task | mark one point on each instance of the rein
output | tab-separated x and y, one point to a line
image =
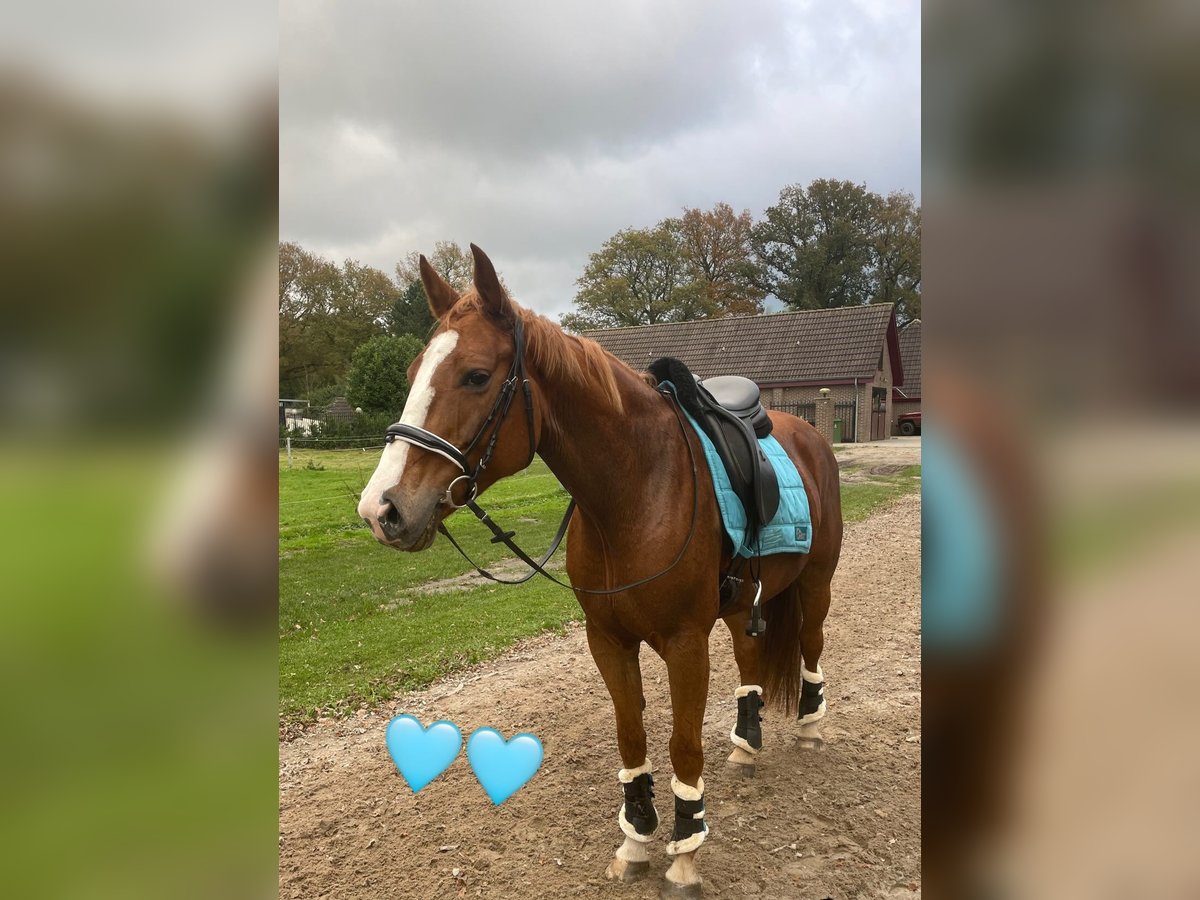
427	440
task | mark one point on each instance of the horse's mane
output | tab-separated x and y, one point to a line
557	355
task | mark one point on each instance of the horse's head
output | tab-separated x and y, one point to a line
455	386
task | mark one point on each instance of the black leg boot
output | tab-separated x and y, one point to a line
747	733
690	827
812	695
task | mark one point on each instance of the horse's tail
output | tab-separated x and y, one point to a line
780	661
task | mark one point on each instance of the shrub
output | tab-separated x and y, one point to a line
378	379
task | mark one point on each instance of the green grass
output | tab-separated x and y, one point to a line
355	625
139	736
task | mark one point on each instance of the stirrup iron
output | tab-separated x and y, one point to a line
757	624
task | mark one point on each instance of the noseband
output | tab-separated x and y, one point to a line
427	440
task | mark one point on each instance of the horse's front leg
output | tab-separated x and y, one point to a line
618	665
687	669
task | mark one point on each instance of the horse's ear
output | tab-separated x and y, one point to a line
487	283
441	296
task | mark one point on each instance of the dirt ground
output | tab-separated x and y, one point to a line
892	454
840	819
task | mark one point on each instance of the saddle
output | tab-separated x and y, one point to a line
729	411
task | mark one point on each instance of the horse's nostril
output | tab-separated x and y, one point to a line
389	519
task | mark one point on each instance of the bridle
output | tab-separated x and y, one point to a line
427	440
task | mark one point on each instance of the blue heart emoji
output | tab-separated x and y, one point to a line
503	767
422	754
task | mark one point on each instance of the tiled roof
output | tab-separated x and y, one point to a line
808	346
339	409
910	355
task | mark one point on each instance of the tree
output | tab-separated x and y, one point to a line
638	277
378	379
896	246
307	285
716	246
410	314
364	301
325	312
448	259
815	245
694	267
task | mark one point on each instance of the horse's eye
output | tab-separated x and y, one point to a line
478	378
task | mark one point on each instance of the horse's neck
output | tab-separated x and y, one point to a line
610	461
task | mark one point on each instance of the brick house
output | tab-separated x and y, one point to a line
853	350
907	398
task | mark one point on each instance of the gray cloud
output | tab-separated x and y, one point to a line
538	129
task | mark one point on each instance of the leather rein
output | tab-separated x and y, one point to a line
427	440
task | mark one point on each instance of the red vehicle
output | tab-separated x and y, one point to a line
909	423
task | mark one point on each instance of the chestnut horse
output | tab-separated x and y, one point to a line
637	475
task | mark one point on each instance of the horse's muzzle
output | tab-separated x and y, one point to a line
402	530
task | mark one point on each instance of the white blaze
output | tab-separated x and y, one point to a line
416	408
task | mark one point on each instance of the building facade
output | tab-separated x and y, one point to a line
907	398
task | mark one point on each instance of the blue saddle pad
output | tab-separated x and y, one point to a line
962	570
791	529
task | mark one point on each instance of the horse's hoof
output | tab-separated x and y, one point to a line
672	891
626	872
810	738
741	762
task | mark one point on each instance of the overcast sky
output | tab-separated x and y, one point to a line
539	128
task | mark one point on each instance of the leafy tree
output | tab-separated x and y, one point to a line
638	277
364	305
448	259
716	245
307	285
815	245
378	379
694	267
325	312
896	246
410	314
832	243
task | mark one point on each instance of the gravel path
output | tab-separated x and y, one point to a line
841	820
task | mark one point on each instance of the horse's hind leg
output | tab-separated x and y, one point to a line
618	665
747	730
814	604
